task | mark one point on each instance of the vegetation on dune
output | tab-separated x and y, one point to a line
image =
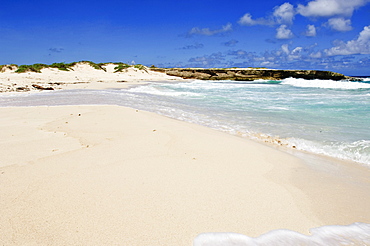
140	67
60	65
31	68
8	66
120	67
98	66
63	66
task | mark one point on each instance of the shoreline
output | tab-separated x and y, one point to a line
81	174
104	174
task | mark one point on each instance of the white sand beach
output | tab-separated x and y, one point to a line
110	175
83	76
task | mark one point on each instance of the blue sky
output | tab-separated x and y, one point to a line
306	34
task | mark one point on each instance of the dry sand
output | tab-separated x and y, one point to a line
83	76
109	175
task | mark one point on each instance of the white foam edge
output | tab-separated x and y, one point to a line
325	84
333	235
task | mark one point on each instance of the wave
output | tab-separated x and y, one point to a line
354	234
325	84
357	151
163	92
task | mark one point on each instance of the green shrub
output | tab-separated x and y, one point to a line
140	67
63	66
68	66
121	66
31	68
8	66
98	66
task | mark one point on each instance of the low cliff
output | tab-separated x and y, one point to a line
247	74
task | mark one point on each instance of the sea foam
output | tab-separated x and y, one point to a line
325	84
334	235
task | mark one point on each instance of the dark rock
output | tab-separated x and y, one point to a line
39	87
22	89
248	74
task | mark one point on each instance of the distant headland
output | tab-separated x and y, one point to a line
248	74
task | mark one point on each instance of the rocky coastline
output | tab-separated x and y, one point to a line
247	74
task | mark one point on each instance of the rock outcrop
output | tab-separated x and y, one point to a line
246	74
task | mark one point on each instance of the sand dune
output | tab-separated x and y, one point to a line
81	77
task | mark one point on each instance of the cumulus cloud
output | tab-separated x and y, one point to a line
284	58
314	55
247	20
284	13
231	43
311	31
282	32
361	45
209	32
327	8
296	53
338	13
285	49
339	24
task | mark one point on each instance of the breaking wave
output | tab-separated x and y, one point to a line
325	84
334	235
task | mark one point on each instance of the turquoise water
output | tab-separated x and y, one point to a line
320	116
324	117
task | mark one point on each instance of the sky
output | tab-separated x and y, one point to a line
329	35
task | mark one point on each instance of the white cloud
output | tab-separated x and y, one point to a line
247	20
284	13
282	32
209	32
311	31
296	53
327	8
316	54
285	49
361	45
340	24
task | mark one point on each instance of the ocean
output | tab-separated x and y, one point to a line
325	117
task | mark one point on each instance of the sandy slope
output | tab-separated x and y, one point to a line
82	76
